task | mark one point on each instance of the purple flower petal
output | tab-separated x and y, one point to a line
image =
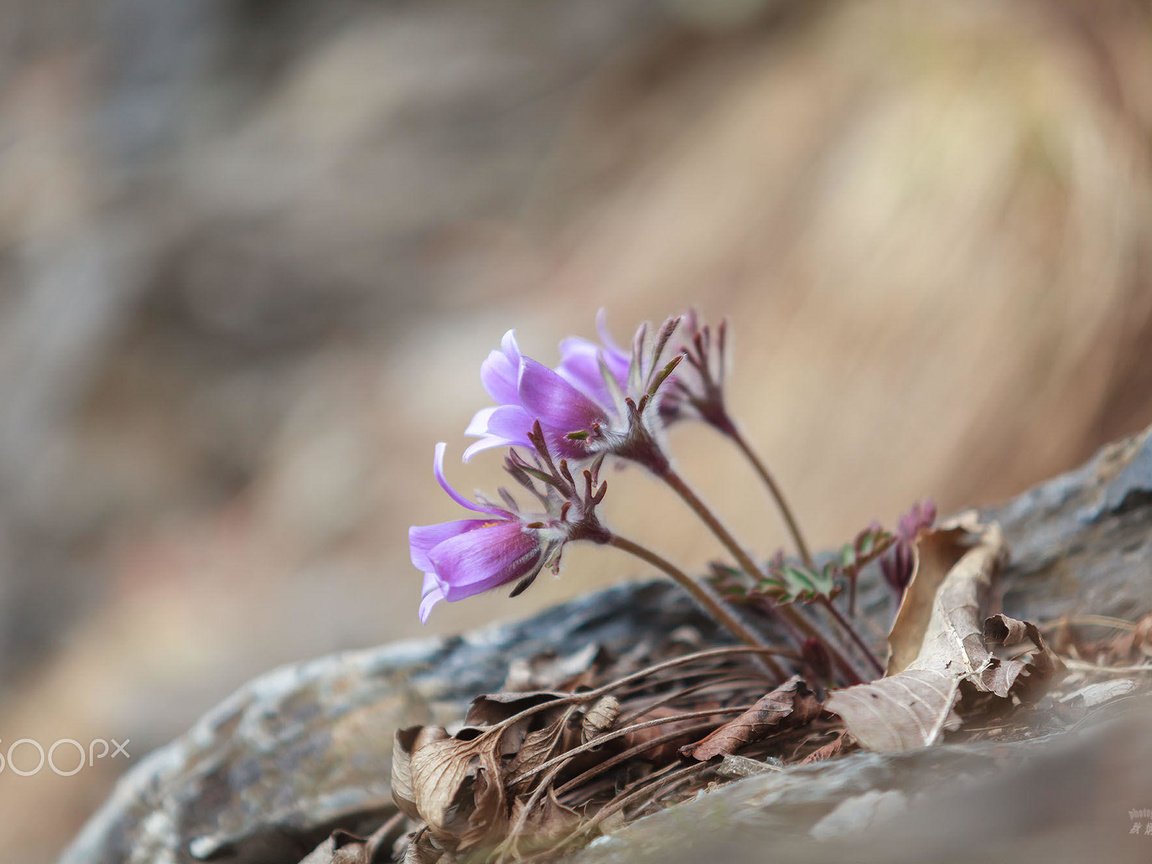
499	426
510	422
478	560
480	420
422	539
555	402
438	470
431	594
499	372
580	367
488	442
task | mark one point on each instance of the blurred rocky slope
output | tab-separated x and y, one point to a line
251	254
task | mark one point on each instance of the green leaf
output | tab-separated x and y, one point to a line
794	582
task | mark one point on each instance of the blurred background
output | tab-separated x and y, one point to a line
253	252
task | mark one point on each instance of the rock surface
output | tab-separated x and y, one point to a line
305	749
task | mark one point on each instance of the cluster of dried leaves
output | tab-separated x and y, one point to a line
579	744
534	773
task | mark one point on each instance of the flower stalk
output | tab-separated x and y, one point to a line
703	595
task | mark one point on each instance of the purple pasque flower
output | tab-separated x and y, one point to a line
469	556
598	401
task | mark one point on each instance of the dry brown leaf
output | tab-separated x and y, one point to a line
668	733
791	704
457	789
454	784
422	849
492	708
1021	663
900	713
939	640
542	744
407	742
827	751
936	642
599	718
458	785
489	816
548	822
941	614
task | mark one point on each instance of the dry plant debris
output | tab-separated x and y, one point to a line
533	774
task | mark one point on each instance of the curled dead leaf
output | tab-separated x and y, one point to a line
548	821
939	640
456	788
492	708
599	718
1020	662
939	621
462	787
542	744
789	705
407	742
422	849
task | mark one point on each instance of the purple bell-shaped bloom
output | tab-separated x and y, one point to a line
599	401
469	556
527	391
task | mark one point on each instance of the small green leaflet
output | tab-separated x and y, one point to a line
795	582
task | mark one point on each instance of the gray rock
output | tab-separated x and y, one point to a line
307	748
267	775
1057	798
